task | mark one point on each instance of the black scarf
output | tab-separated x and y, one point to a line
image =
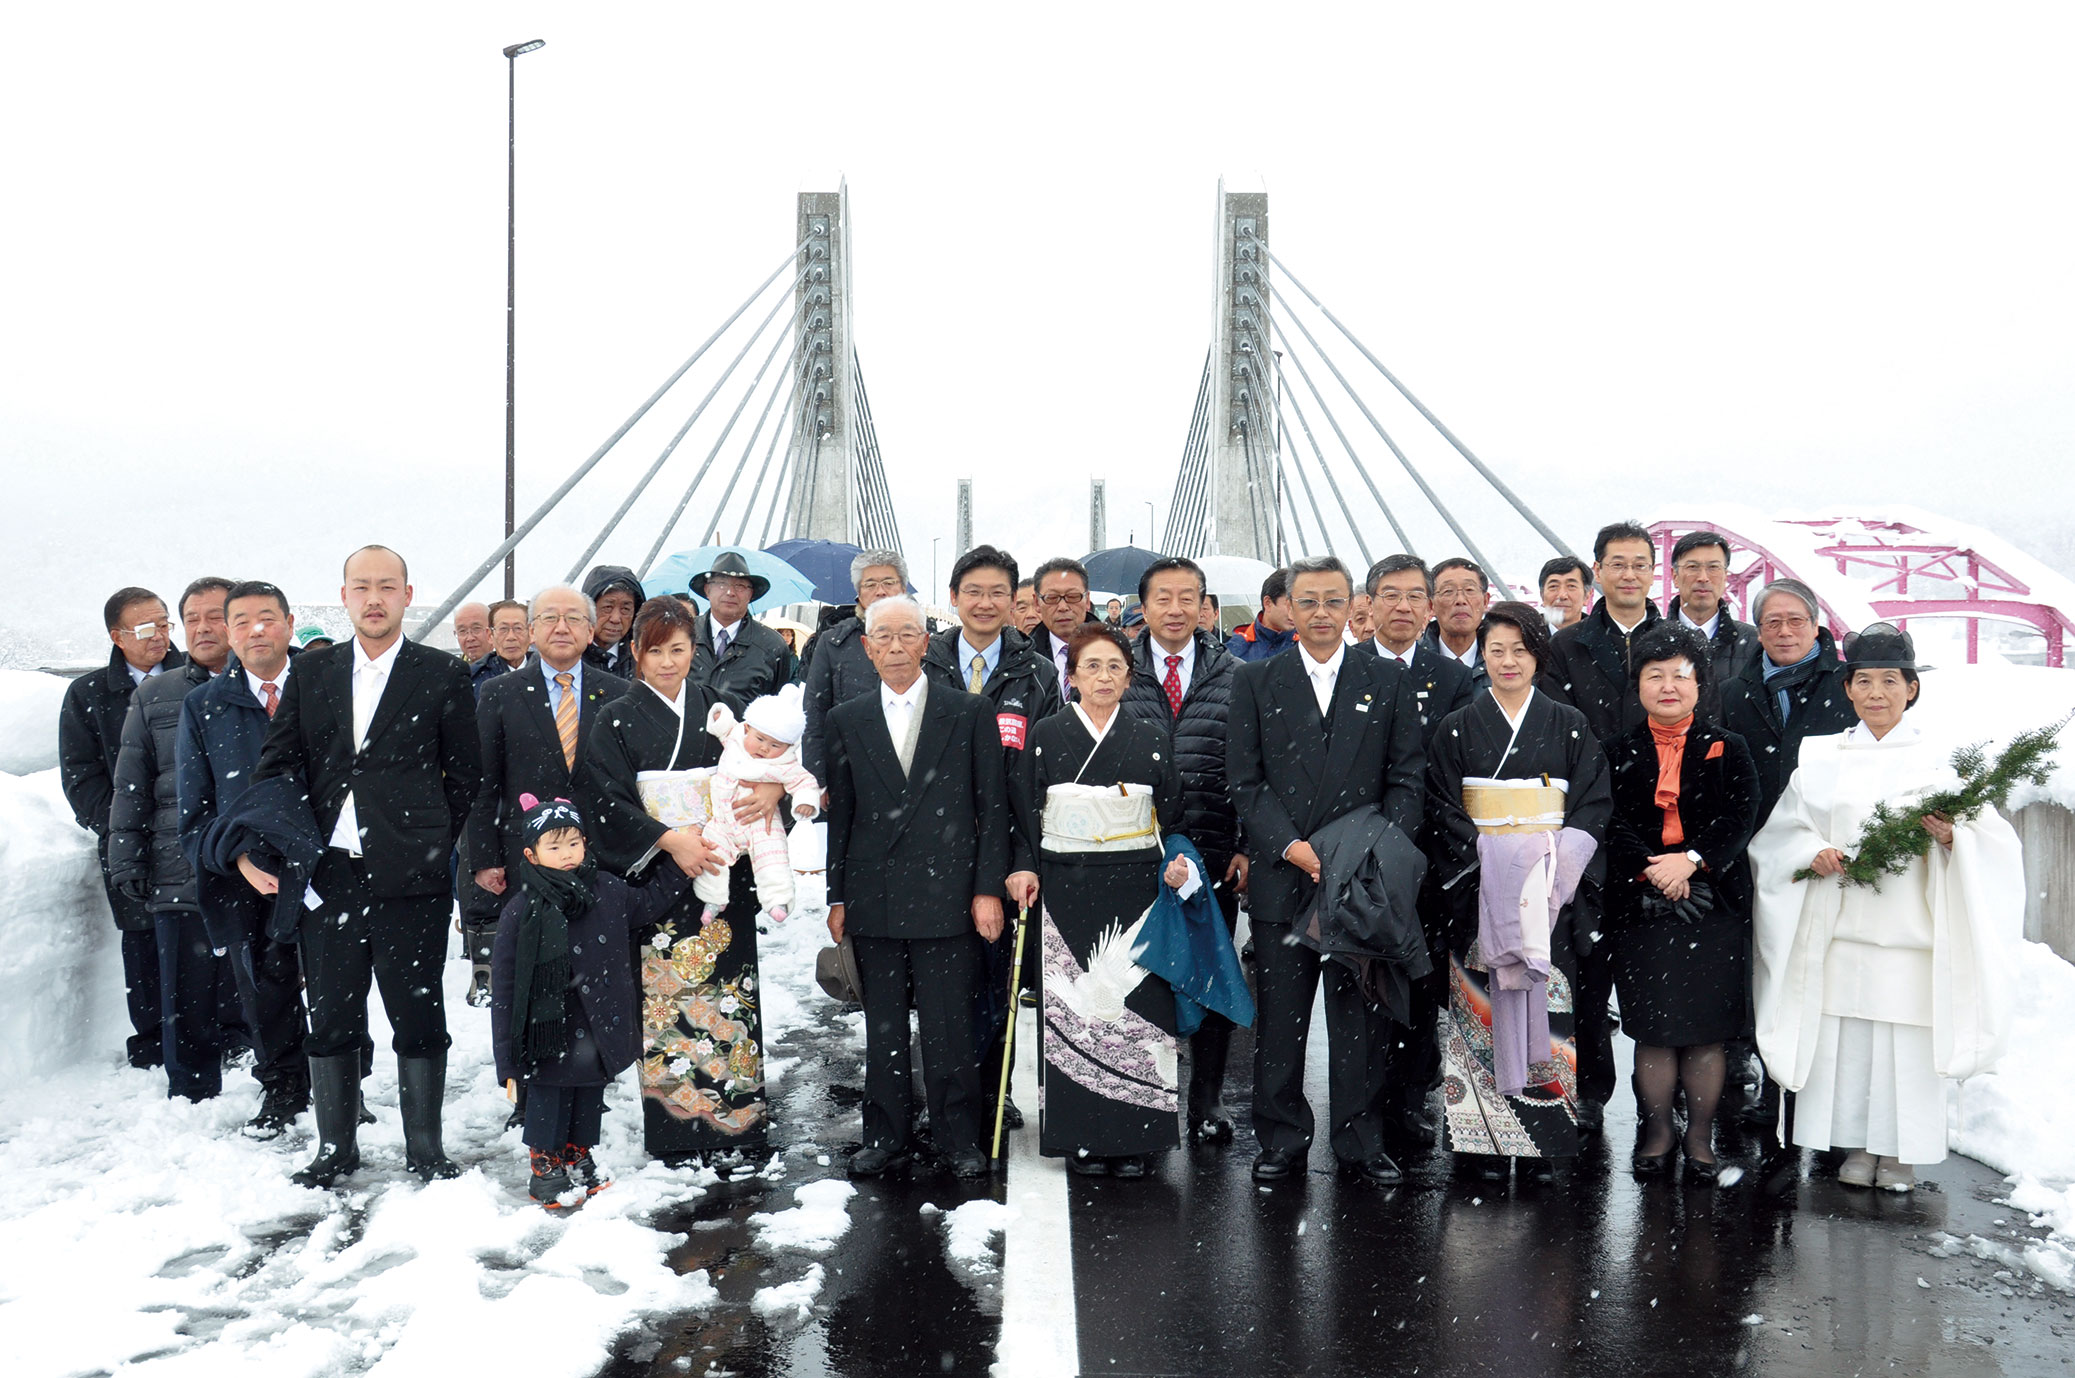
540	975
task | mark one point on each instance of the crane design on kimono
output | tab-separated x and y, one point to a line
1097	996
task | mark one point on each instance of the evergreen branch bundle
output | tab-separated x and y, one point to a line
1894	836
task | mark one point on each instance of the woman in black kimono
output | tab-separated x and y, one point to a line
702	1065
1090	788
1511	741
1679	897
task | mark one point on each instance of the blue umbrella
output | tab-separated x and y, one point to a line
1117	569
827	563
673	574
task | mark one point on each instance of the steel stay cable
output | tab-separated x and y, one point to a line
677	514
1353	455
1317	516
874	463
1188	477
511	542
749	506
749	447
1304	424
1490	570
1479	465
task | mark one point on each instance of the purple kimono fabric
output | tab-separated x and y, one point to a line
1519	963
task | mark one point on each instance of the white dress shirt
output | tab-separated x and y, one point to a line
1324	675
280	683
1707	628
1405	659
1468	659
370	678
1187	669
899	709
138	676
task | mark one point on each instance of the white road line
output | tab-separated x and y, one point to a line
1040	1333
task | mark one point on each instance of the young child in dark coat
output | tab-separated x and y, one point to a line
565	1008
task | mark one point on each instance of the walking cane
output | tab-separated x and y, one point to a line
1008	1046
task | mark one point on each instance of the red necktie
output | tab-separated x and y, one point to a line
273	697
1173	685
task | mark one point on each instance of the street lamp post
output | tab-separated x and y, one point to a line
1152	527
933	542
511	312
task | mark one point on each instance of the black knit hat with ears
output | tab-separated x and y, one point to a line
544	816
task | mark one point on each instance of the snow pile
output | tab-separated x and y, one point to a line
793	1301
970	1232
821	1217
140	1228
29	701
60	966
1962	704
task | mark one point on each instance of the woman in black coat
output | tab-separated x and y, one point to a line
1679	896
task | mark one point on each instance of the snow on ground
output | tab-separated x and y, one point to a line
29	702
150	1236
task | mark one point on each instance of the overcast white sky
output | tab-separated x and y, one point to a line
254	261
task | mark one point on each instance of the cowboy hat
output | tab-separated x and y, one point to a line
728	563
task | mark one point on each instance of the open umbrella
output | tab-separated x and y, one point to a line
826	563
1235	577
673	574
1117	569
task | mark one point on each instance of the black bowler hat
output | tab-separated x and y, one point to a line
1882	646
728	563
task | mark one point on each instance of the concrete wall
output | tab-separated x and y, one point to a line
2048	834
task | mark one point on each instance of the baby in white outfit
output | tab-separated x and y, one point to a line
762	749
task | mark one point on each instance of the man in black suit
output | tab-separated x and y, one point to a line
1401	593
1313	735
918	852
380	735
533	723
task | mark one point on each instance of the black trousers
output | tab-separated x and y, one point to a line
557	1116
1211	1044
354	939
194	988
1358	1038
937	979
270	991
140	970
1593	1024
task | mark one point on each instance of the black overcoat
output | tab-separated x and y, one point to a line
522	754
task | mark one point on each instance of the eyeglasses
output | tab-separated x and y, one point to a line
1627	566
1463	594
909	637
1784	624
1069	599
984	595
1314	604
1395	598
879	585
1702	567
717	584
558	619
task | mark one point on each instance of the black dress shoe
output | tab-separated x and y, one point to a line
1592	1118
1274	1164
1702	1174
1213	1128
1088	1165
1378	1171
1480	1167
870	1162
1011	1117
972	1164
1545	1172
1779	1171
1130	1168
1651	1164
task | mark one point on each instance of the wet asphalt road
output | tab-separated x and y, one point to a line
1199	1271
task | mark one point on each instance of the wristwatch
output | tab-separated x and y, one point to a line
1699	862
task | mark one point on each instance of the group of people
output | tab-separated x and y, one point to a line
1476	824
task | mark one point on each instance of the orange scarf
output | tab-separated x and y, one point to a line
1671	755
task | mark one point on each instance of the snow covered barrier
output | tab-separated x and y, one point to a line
29	702
61	980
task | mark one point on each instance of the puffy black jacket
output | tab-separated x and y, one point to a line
838	670
144	817
90	737
1024	685
1208	817
1817	707
1592	672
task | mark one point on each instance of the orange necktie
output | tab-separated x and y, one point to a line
565	717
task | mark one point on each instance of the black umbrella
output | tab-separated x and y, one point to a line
1117	569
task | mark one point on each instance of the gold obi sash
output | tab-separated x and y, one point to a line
1100	818
1534	805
